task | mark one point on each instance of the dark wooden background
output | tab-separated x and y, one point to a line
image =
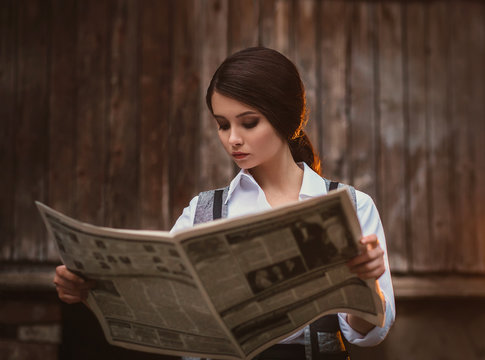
103	117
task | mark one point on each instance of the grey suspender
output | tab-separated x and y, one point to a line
211	205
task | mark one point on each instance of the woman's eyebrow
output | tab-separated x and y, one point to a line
246	113
238	116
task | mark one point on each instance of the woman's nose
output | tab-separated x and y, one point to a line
235	137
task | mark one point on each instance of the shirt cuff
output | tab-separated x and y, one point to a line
373	337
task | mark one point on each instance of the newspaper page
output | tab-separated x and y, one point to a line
227	289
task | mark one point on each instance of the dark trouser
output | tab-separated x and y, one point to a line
283	352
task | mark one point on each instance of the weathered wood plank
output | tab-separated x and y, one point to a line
216	168
92	78
391	171
478	110
416	31
31	128
306	61
464	68
243	24
334	19
8	91
275	29
122	179
439	140
363	128
185	116
155	107
25	278
438	286
62	110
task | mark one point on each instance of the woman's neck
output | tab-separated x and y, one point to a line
279	179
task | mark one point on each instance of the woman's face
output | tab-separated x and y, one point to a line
245	133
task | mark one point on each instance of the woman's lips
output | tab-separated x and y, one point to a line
239	155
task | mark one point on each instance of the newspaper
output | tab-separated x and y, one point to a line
227	289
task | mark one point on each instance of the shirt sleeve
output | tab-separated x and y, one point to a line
186	220
370	223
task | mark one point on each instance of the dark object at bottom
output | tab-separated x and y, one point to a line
326	339
283	352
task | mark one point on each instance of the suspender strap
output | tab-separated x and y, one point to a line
217	208
333	185
211	205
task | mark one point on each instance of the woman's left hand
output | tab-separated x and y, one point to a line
367	265
370	263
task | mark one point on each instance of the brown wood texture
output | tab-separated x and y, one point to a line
123	169
391	157
439	143
306	60
334	36
103	113
31	128
154	115
92	104
276	26
184	165
216	168
8	92
464	68
362	76
62	110
243	24
416	72
478	111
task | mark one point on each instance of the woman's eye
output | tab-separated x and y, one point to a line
251	124
223	126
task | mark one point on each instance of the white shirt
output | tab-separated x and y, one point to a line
245	196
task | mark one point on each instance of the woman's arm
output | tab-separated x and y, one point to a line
368	265
371	264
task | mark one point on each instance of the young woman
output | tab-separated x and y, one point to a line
257	100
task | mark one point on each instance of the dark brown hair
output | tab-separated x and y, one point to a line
269	82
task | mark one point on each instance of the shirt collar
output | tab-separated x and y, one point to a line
311	186
243	175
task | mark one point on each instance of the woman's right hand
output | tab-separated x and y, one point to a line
70	287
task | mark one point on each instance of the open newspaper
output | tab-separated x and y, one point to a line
227	289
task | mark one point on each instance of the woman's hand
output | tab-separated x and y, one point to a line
70	287
370	263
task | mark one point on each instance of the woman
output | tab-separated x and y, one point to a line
258	102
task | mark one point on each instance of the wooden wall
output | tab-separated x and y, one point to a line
102	113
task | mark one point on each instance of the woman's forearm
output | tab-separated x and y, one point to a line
358	324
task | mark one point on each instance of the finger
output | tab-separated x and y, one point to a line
67	279
67	284
368	255
376	264
68	295
370	241
70	299
374	274
64	273
74	291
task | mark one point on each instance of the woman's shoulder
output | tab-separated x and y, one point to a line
366	208
186	220
363	199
